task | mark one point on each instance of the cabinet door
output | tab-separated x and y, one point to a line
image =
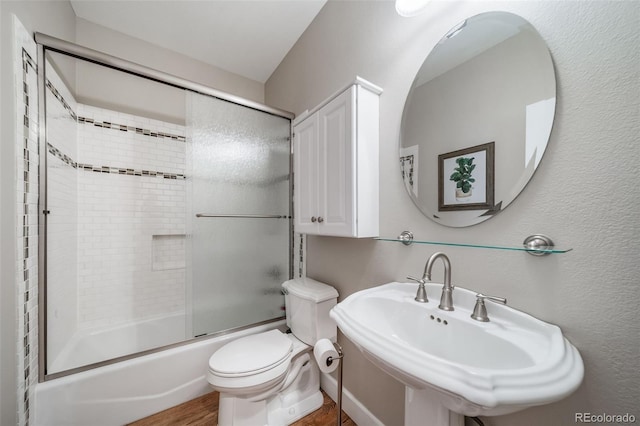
336	165
305	172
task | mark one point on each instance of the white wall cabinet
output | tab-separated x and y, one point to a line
335	160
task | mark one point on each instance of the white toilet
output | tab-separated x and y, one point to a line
272	378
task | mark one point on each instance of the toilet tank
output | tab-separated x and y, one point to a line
308	303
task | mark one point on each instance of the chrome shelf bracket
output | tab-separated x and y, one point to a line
538	245
406	237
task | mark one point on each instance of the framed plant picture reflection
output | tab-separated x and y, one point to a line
465	178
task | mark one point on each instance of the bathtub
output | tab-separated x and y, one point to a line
92	346
130	390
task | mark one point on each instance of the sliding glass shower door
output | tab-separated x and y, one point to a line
166	215
238	161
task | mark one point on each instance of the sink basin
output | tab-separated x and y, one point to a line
512	362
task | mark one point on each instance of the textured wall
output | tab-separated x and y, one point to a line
584	194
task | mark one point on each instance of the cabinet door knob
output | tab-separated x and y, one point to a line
313	219
320	219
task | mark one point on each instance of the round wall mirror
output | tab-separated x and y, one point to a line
477	119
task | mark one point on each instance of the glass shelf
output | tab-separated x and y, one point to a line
482	246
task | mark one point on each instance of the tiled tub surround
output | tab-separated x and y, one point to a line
27	187
117	203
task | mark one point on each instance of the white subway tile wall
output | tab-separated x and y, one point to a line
136	199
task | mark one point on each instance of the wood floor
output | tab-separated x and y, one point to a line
203	411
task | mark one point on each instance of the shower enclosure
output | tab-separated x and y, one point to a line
166	210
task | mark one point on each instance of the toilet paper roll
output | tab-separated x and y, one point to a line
326	355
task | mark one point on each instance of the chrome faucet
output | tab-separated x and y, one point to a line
446	300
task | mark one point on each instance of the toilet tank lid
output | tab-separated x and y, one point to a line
310	289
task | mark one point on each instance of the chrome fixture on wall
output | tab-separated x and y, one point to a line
538	245
244	216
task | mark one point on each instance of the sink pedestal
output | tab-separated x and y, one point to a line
421	408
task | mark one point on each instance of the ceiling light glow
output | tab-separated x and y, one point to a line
409	8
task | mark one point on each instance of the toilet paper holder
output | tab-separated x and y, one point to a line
330	361
340	355
327	352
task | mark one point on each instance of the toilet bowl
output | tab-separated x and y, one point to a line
271	378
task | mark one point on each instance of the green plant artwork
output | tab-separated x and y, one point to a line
462	175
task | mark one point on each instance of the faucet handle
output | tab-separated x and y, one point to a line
480	310
418	280
421	296
496	299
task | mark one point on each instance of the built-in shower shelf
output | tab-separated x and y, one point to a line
168	251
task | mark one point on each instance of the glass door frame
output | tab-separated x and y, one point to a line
47	43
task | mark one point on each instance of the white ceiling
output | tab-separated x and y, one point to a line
246	37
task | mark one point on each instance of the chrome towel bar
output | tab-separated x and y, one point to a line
245	216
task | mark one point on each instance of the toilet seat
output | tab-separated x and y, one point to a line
251	354
251	364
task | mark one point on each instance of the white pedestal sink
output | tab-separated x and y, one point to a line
453	365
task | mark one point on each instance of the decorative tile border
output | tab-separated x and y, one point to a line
107	124
107	169
62	156
125	128
130	172
299	254
28	253
60	98
26	266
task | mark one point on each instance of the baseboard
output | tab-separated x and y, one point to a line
350	404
